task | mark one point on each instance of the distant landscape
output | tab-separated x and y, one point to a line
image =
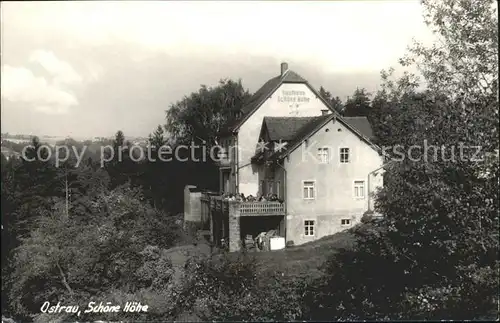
52	140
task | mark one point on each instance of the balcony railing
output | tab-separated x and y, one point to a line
218	204
262	208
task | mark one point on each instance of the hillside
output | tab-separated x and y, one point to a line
303	260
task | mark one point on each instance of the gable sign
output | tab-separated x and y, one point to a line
294	99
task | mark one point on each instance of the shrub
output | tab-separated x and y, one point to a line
229	287
367	217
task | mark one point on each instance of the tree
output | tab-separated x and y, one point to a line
436	251
157	139
464	60
153	175
380	117
358	104
201	115
29	187
119	139
335	102
75	257
123	167
435	254
4	160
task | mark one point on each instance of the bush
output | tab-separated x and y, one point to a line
70	259
228	287
367	217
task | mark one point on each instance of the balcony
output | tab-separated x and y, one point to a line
267	208
223	217
261	208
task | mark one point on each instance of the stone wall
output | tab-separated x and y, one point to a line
234	226
192	204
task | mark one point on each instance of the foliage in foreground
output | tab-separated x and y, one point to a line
81	258
223	288
435	255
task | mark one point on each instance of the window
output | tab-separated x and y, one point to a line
323	155
261	188
344	155
278	189
309	190
309	228
359	189
225	181
270	185
345	222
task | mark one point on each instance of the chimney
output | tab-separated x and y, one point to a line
324	112
284	68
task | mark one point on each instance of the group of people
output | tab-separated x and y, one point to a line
250	198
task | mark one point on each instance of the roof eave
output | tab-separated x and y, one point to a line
362	136
316	129
340	119
248	115
282	81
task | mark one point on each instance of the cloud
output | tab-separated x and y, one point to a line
136	58
323	31
62	72
19	84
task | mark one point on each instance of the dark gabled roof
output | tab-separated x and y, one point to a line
284	128
362	125
313	124
292	77
290	129
268	88
303	127
308	128
256	100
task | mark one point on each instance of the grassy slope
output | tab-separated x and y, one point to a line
303	260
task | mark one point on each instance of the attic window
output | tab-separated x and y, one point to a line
339	130
326	130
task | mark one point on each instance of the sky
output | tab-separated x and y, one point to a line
90	68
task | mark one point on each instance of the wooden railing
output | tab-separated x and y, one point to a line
262	208
218	204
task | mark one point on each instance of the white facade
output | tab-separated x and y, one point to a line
289	100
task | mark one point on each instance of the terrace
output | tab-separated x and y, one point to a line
254	208
222	216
